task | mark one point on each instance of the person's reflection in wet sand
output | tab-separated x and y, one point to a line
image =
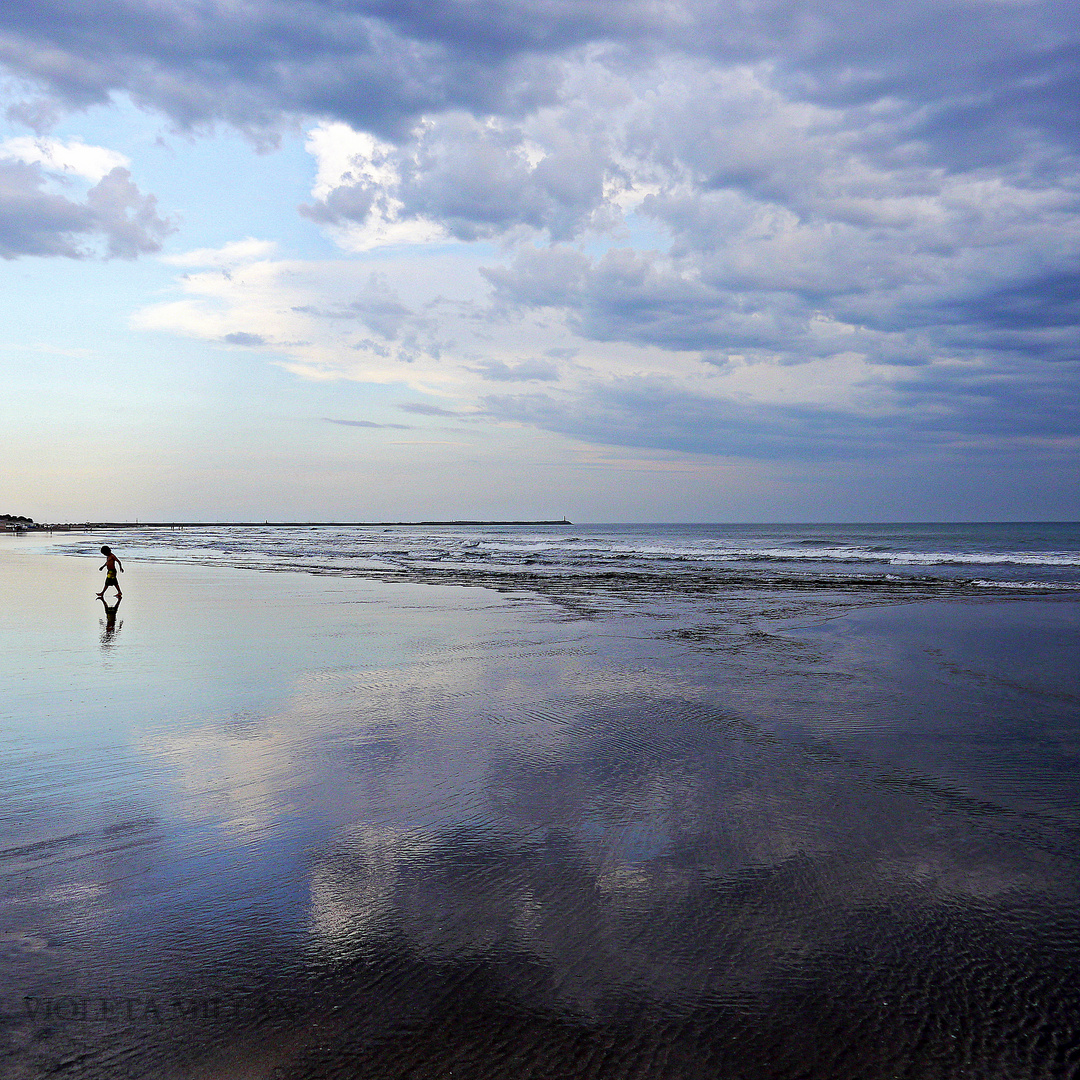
111	627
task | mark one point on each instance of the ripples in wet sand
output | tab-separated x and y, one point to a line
300	827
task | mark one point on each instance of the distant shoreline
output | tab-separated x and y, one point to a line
90	525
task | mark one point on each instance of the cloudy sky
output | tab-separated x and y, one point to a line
614	259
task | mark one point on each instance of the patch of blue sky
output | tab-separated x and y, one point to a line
78	307
217	186
635	231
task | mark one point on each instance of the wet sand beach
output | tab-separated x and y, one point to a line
287	825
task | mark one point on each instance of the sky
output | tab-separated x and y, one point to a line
619	260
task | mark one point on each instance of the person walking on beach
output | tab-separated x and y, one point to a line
111	565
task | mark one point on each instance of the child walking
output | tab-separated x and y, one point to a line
112	564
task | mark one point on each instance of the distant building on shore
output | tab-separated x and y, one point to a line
16	523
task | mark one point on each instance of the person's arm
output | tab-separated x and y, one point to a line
102	566
120	566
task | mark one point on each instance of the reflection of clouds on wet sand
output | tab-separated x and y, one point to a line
604	817
681	865
401	744
235	778
583	823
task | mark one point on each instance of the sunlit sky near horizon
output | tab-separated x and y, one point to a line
619	261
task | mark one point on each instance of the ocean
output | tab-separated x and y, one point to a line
662	802
890	558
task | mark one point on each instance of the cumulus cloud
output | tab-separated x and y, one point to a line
459	176
115	219
771	215
356	191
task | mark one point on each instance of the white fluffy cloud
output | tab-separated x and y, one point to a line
356	191
92	163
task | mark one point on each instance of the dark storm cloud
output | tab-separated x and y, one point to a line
801	298
970	67
1036	402
986	76
114	217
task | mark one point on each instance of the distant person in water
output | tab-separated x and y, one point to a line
111	566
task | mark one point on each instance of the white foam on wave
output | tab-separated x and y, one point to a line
1042	586
1004	558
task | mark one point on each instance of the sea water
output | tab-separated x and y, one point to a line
1003	556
